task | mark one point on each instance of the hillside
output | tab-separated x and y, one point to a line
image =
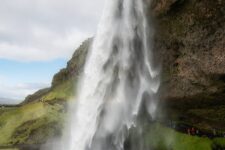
189	40
41	115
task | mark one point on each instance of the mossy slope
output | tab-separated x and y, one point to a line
159	137
41	115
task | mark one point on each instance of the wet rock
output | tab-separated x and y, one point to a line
190	39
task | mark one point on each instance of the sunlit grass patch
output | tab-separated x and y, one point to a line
162	138
17	124
63	91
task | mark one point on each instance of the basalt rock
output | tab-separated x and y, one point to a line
190	41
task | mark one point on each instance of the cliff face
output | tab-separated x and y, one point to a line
74	66
190	40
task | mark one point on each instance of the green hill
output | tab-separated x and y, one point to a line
41	115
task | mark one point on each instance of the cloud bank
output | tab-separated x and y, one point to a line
16	93
41	30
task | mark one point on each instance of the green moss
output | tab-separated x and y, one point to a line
41	115
36	96
17	124
64	91
219	142
163	138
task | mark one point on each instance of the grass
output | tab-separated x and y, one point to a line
17	124
162	138
42	116
219	142
35	122
63	91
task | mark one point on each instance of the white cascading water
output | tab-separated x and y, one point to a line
118	75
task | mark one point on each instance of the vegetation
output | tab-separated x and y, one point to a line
41	115
63	91
162	138
16	125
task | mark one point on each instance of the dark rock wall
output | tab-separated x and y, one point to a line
190	40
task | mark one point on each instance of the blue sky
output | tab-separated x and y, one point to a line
30	72
38	37
18	79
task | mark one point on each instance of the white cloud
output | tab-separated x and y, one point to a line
17	92
46	45
40	30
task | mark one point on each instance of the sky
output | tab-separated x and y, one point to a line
37	38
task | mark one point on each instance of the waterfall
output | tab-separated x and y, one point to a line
118	77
